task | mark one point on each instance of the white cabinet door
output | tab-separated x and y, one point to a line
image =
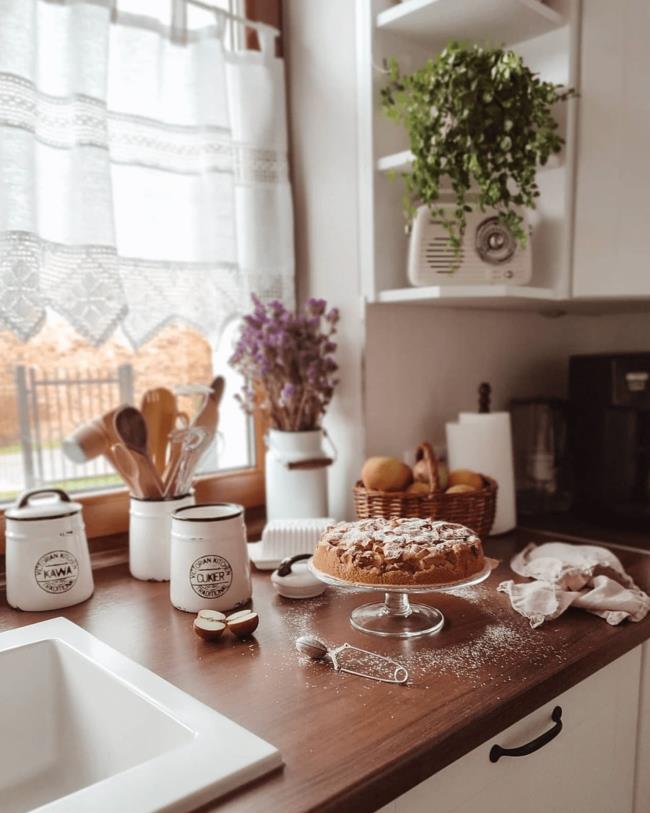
612	203
588	768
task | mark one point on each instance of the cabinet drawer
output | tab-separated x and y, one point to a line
587	768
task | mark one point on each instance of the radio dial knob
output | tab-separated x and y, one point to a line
494	243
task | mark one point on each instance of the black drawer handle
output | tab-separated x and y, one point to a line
496	752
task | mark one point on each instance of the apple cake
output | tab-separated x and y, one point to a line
399	551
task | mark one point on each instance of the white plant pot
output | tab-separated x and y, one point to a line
150	526
296	475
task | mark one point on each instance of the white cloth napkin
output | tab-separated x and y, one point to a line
573	576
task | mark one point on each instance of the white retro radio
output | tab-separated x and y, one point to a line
489	254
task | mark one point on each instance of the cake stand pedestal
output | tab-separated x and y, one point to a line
396	616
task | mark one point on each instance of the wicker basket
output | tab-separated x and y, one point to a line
474	509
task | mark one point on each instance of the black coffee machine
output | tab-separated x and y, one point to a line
609	438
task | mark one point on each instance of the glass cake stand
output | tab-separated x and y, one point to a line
396	617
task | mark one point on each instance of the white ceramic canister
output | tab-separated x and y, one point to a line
296	475
47	559
210	569
150	528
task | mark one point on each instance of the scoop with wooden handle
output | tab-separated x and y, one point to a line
91	439
159	411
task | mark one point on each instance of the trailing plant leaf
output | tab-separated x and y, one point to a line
474	116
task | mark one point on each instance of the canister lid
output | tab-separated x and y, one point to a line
208	512
294	580
25	510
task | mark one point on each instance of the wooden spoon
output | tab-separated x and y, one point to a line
159	409
128	469
131	429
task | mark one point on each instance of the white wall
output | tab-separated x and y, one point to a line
424	365
320	54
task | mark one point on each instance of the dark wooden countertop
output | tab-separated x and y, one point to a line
351	744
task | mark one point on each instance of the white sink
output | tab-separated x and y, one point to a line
83	728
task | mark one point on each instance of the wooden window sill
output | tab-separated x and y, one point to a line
106	513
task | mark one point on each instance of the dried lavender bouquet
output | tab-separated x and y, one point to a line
287	360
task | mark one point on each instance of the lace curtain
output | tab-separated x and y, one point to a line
143	176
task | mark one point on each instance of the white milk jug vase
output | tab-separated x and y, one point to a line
296	474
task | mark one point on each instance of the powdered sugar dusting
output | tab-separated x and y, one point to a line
400	532
495	643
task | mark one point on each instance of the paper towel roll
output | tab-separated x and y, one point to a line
483	442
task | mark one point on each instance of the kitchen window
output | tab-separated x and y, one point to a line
144	196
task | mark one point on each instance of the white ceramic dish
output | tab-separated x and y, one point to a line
85	728
258	557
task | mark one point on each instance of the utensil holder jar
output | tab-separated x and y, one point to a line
210	569
150	523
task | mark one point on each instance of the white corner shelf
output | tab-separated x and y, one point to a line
411	30
436	22
401	162
397	162
510	298
475	296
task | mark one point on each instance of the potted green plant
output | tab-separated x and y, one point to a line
478	119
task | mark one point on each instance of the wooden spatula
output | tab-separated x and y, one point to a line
159	411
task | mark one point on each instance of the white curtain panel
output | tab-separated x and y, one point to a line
143	175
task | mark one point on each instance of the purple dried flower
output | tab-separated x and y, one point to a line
316	306
288	391
288	356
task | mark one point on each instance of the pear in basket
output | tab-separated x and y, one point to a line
386	474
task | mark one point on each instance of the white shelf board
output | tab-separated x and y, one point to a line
436	22
397	162
513	296
401	162
509	297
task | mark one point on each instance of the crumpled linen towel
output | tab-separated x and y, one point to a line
566	576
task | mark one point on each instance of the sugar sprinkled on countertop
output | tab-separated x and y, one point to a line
485	655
